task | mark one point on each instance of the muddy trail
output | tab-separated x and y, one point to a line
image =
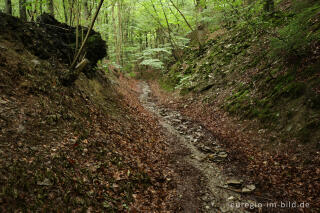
195	156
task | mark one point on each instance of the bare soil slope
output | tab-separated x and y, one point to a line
82	147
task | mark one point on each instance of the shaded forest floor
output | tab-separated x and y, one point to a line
85	147
91	146
277	177
290	174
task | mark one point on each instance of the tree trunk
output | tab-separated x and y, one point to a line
22	10
169	32
8	7
184	18
36	11
157	19
65	11
114	30
71	4
86	10
73	65
50	7
119	34
40	7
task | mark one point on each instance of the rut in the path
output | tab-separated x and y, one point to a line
203	153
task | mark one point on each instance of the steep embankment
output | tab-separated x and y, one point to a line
78	148
257	89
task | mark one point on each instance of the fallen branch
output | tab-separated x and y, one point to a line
86	38
81	65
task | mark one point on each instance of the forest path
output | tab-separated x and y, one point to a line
195	153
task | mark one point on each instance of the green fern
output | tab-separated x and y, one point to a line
154	63
295	38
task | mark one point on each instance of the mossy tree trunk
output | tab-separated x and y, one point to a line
8	7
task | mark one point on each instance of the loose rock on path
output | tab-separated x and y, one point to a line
202	186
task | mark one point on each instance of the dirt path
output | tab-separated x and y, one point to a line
202	186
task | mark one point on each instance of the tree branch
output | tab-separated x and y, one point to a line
86	38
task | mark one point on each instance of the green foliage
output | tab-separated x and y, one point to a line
150	57
181	42
184	81
153	51
131	74
294	39
291	90
154	63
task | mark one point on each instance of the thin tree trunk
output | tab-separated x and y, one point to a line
119	46
85	9
169	32
50	7
106	21
77	26
8	7
163	28
127	24
184	18
73	65
175	16
65	11
71	4
40	7
36	11
115	30
22	10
